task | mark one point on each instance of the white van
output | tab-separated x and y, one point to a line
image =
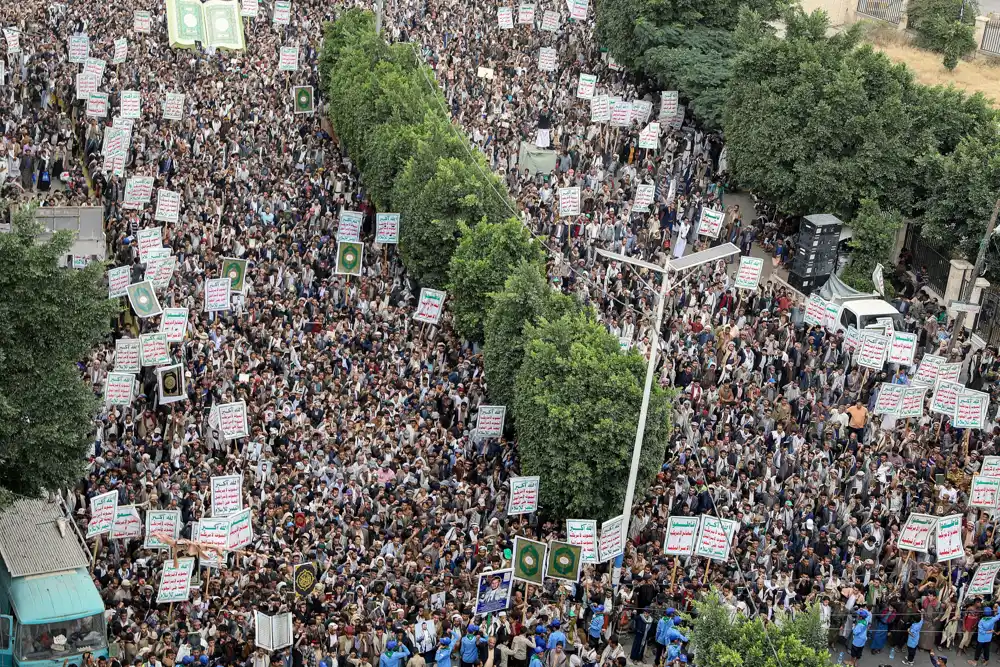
864	310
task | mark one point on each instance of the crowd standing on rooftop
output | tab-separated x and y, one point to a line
365	420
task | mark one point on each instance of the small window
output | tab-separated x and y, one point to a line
847	318
4	633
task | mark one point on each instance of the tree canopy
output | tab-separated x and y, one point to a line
577	399
50	319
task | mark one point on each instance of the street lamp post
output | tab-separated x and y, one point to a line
676	267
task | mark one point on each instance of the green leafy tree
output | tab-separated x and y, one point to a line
945	26
963	189
577	399
818	123
718	637
485	257
525	298
874	236
50	319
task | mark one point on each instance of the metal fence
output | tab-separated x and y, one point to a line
988	324
938	266
890	11
991	37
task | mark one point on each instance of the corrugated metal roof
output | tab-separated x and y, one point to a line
30	542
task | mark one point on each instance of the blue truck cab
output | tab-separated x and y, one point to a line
51	614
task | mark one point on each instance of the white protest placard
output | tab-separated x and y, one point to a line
288	59
873	350
119	279
217	533
148	238
668	105
832	315
127	523
168	205
578	9
153	349
95	67
970	412
127	355
621	113
86	85
904	345
852	338
13	38
585	89
600	109
644	195
612	541
430	305
282	12
173	106
240	529
650	136
227	495
948	542
984	492
547	59
927	370
387	228
141	21
175	581
912	404
174	324
749	273
569	201
485	73
916	533
79	48
984	579
523	495
218	294
710	222
525	14
815	314
249	8
505	18
681	534
102	513
944	400
97	105
990	466
131	104
121	51
583	533
233	420
489	423
949	372
161	522
138	192
715	537
890	396
159	270
550	21
118	388
349	226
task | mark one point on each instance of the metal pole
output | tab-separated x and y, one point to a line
966	295
378	16
647	389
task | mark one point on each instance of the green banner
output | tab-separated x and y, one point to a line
143	300
235	270
563	561
528	558
349	257
304	99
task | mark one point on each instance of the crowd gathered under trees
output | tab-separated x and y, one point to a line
366	419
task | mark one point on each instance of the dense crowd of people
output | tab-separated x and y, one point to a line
362	455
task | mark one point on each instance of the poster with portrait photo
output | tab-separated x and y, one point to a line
494	591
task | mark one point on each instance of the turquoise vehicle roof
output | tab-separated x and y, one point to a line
53	597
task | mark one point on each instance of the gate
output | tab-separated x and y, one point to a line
890	11
991	37
988	326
